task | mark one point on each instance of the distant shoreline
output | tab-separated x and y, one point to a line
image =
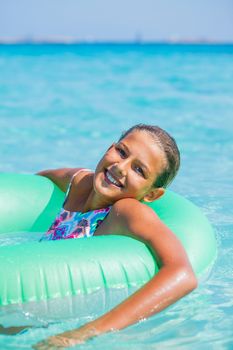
54	41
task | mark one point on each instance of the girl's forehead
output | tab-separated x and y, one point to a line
144	145
142	138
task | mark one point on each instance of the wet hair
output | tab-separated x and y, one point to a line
169	148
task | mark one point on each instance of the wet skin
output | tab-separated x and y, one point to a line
124	176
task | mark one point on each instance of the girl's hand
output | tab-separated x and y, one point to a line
67	339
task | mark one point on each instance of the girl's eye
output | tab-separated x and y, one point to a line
121	152
139	170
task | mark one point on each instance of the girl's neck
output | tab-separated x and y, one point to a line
92	200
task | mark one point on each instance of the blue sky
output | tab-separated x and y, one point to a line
118	20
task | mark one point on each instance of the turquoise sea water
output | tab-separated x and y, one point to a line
62	105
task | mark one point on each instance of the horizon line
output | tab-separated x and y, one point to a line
63	41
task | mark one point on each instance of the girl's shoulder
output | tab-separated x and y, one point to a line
136	219
80	182
80	174
131	215
62	177
130	207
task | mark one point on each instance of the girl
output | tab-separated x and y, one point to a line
136	168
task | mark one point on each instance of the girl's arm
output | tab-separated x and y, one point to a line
174	280
61	177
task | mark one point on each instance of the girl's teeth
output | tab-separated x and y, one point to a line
111	179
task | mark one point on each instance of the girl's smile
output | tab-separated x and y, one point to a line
111	179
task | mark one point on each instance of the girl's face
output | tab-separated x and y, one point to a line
129	168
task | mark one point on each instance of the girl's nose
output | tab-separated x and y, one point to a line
121	168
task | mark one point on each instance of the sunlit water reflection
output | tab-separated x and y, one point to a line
63	105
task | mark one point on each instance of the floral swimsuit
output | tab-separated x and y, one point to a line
74	224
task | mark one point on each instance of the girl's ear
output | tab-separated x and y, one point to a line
154	194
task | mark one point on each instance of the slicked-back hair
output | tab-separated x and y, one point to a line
169	148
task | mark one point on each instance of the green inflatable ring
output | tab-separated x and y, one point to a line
34	272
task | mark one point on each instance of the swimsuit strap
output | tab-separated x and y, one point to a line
68	190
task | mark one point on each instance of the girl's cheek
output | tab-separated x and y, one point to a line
110	157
